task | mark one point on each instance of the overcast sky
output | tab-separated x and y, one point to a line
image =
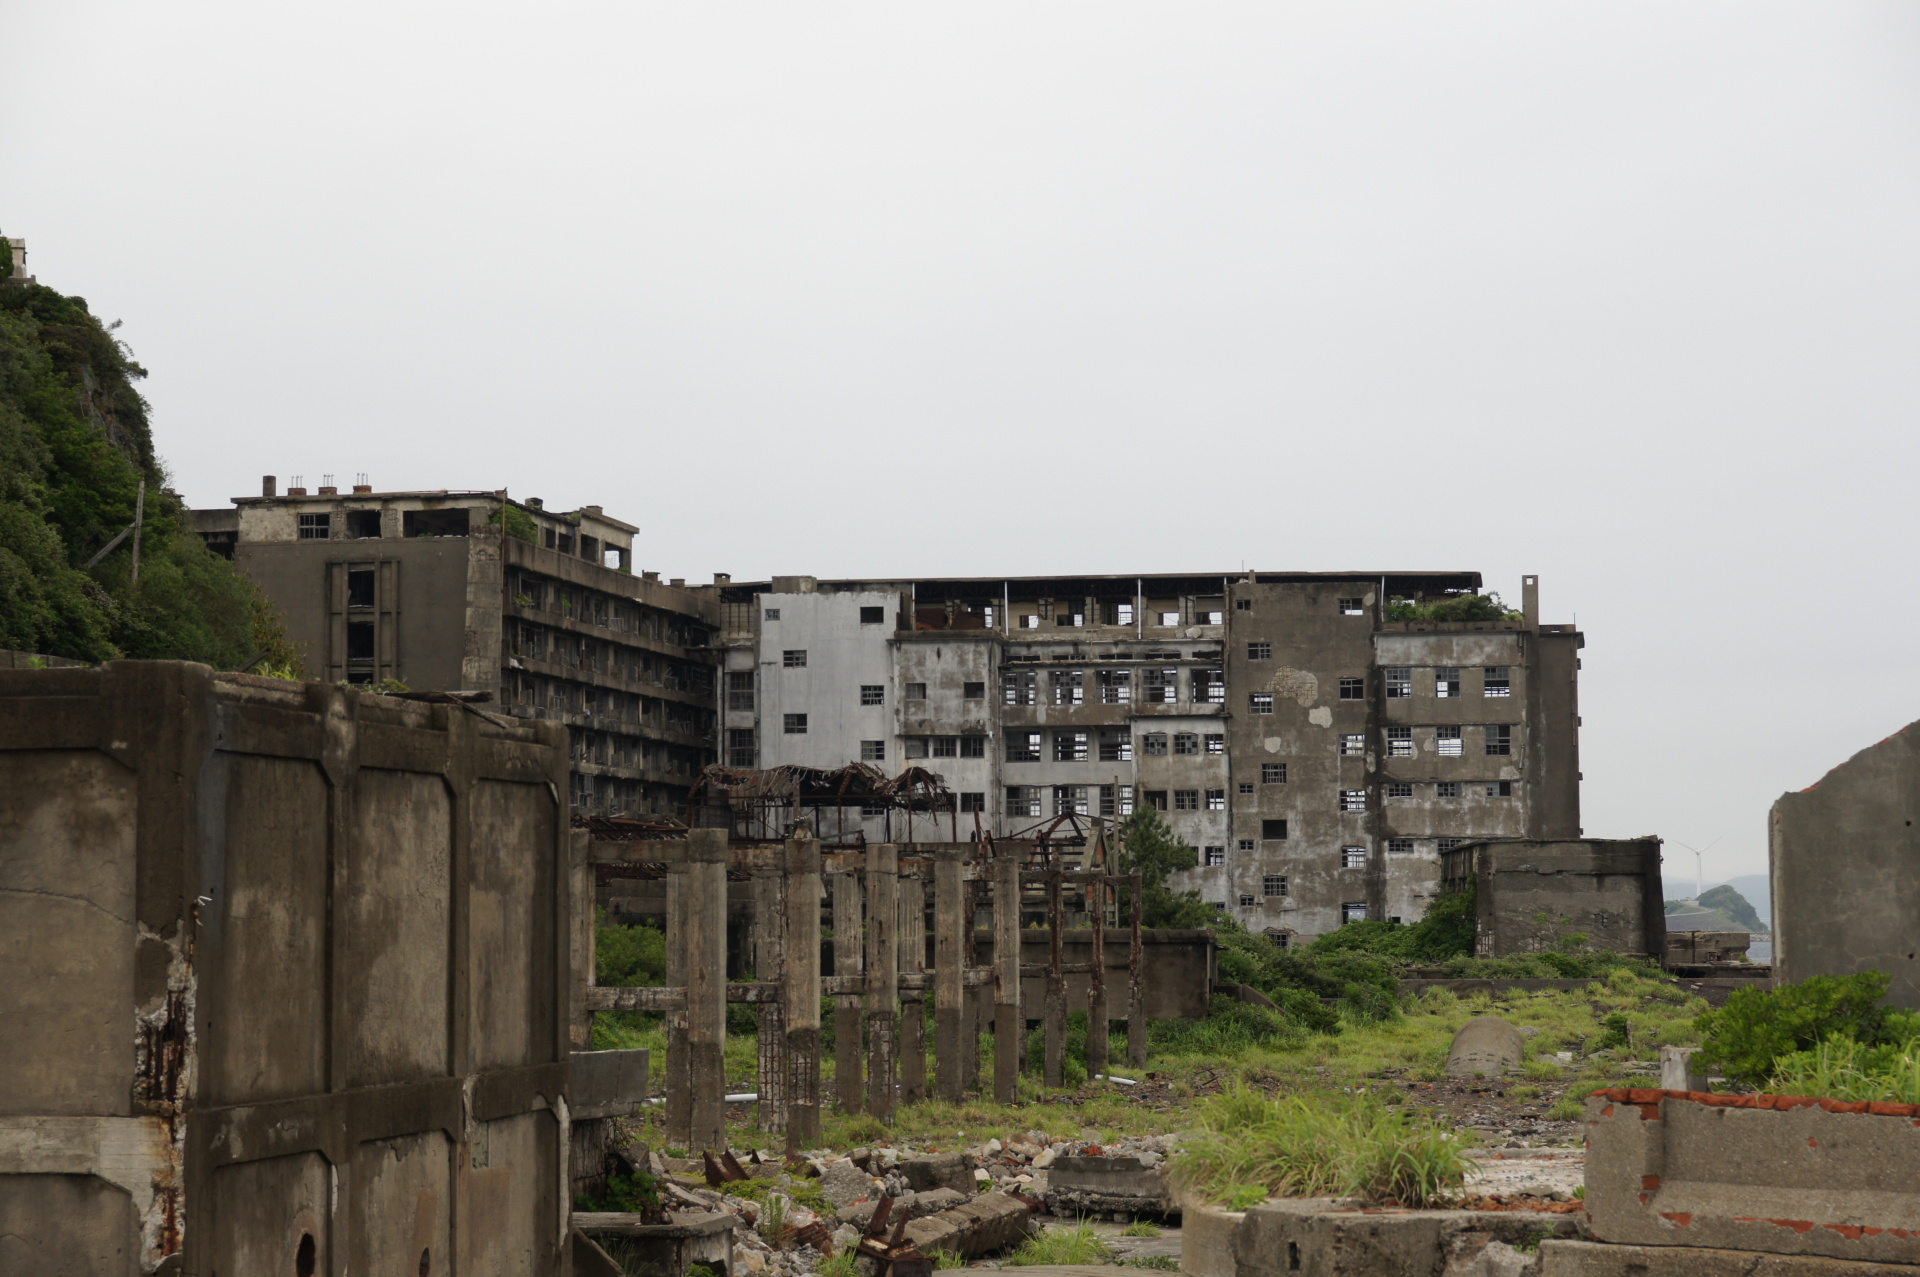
1623	294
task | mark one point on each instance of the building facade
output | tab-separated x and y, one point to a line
1319	756
476	592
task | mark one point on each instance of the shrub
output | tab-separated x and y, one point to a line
1232	1026
1843	1069
1748	1037
1301	1146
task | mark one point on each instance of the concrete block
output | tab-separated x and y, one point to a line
991	1221
660	1250
1080	1184
1676	1069
1485	1046
844	1183
1772	1174
1334	1237
938	1170
1566	1258
608	1083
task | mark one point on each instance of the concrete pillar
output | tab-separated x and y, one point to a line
913	1008
705	890
949	920
581	941
849	1091
979	998
801	991
1097	980
1008	1017
770	959
1056	1006
679	1098
1136	983
883	977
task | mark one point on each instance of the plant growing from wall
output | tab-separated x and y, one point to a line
516	523
1457	607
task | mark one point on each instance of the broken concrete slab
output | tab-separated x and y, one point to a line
1338	1237
989	1222
1079	1184
1485	1046
1567	1258
938	1170
844	1183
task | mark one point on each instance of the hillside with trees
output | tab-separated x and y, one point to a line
75	447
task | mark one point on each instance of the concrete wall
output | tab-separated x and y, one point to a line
1177	970
1755	1173
1846	870
1533	894
288	980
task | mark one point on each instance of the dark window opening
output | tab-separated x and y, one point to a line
1500	740
740	748
363	523
1273	830
873	693
360	583
973	691
915	692
973	747
359	640
796	724
1353	689
873	616
315	527
442	523
1157	799
973	802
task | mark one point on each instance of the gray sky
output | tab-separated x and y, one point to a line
1619	293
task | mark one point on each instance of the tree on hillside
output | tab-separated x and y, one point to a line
1148	847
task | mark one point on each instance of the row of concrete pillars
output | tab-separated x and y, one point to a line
877	901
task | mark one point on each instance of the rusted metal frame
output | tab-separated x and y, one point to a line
1056	994
1136	981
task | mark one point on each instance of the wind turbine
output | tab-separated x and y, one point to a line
1699	876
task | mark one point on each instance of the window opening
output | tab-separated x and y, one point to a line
1500	789
973	802
1186	800
1353	800
1216	800
1066	685
1213	857
315	527
1023	800
973	691
1023	747
945	746
1399	846
1353	689
1116	745
873	693
1399	742
1399	789
1447	743
1153	744
1273	885
1260	703
360	583
1216	743
1116	686
740	747
1353	743
771	614
794	658
1352	607
914	692
1500	740
740	690
1260	651
1069	747
1399	683
1446	682
1157	799
1273	773
1353	857
1446	789
1353	911
1273	830
873	616
796	724
1018	687
1186	743
1497	680
973	747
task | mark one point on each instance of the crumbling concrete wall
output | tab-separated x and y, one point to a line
1531	895
287	981
1846	870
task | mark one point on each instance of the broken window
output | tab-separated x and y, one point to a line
1273	830
1209	687
1216	800
913	747
1399	683
1023	800
1245	844
1353	743
914	692
1260	651
362	524
1353	857
1116	686
1023	747
1353	689
1153	744
1168	618
973	802
360	583
1352	607
1186	743
1107	800
1446	742
1446	682
740	690
1353	911
973	747
1273	773
945	746
1186	800
873	693
740	747
1273	885
436	523
1500	739
315	527
1018	687
973	691
1160	686
1448	844
1119	613
1497	680
1067	686
772	614
1069	618
1353	800
1216	743
1446	789
796	724
1399	846
873	616
1126	800
1069	800
1246	901
1500	789
1214	857
1399	742
1069	747
1116	745
1399	789
1157	799
1260	703
794	658
1031	621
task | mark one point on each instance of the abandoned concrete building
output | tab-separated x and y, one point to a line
476	592
1320	756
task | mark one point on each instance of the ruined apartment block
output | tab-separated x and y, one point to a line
1318	756
475	592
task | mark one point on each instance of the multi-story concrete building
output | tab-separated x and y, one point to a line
473	591
1318	755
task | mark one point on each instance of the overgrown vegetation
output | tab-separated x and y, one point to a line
1070	1244
1824	1032
1301	1146
74	448
516	523
1456	607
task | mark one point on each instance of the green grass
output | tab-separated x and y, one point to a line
1076	1244
1165	1262
1298	1146
945	1259
838	1265
1843	1069
1142	1228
